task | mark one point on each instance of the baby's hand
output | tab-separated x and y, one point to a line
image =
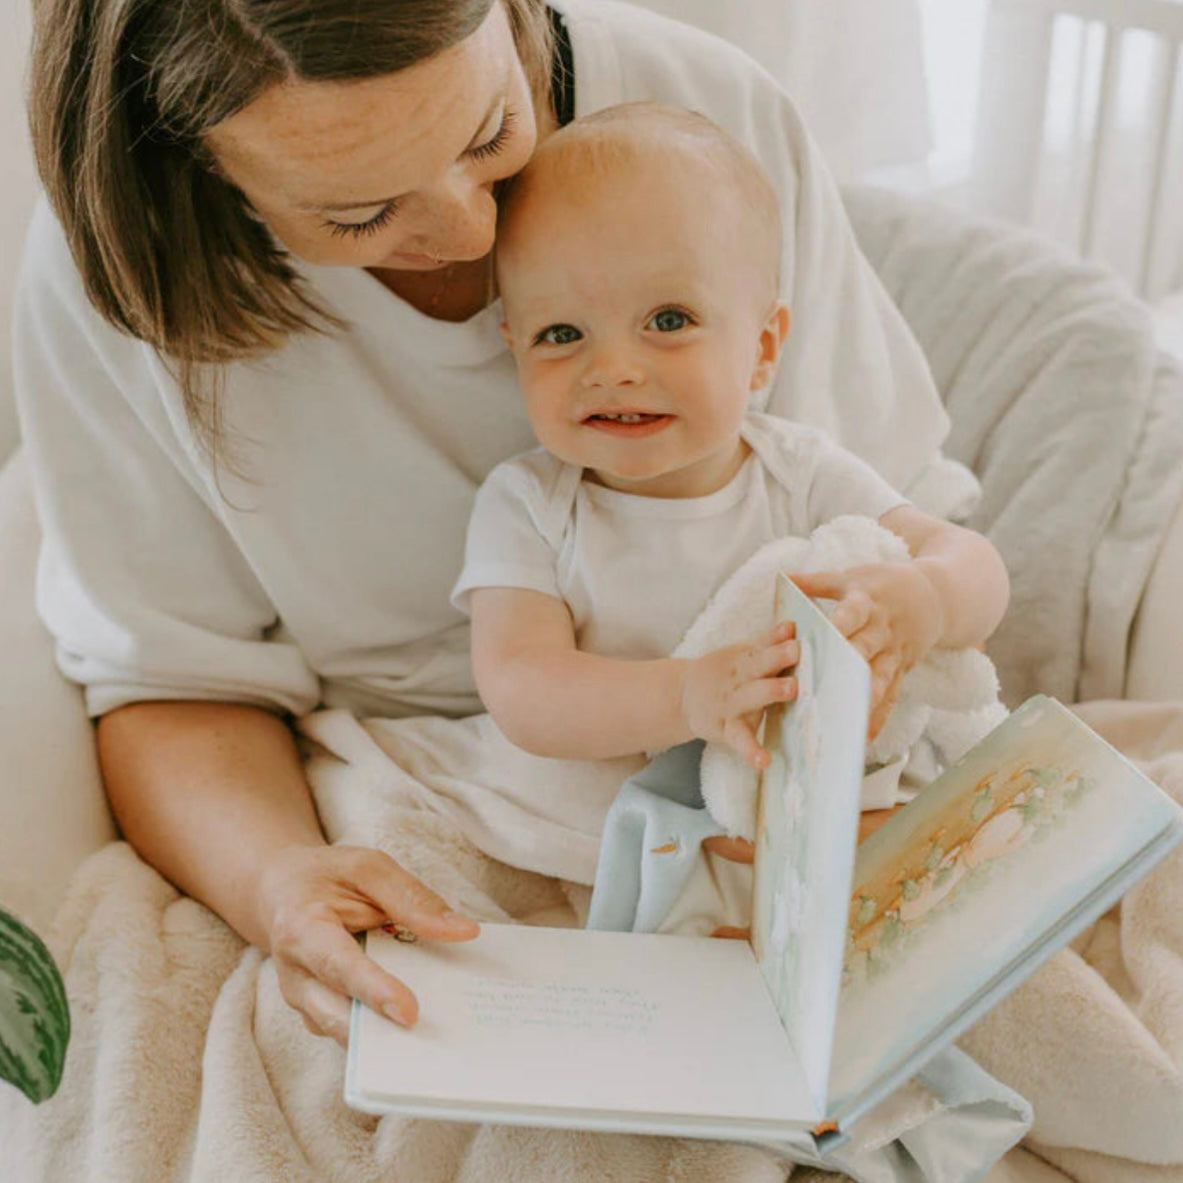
890	612
724	693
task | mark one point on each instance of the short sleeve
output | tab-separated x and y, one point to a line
843	484
141	585
512	536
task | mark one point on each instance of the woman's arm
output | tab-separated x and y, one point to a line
554	700
187	778
214	797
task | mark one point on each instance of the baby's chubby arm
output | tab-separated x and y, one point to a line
952	592
554	700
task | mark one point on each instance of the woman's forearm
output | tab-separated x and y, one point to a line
207	793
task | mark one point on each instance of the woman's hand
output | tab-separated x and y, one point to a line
724	693
891	613
313	899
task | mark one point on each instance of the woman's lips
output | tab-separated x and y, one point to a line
629	424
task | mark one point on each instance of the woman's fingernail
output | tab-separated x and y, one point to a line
396	1014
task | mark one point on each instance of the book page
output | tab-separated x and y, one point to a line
966	887
807	830
577	1025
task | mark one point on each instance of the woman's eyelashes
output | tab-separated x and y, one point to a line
490	148
363	229
499	138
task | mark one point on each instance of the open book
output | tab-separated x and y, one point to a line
860	968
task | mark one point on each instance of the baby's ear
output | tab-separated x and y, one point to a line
772	339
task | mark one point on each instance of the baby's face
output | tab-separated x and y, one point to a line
639	328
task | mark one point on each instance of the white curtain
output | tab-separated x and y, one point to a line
855	68
1080	130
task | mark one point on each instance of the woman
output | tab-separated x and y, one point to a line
257	333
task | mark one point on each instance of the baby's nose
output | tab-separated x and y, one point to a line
613	365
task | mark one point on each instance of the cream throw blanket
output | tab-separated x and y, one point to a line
185	1063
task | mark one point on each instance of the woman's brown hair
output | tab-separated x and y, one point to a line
122	93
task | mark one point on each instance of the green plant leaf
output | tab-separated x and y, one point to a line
34	1015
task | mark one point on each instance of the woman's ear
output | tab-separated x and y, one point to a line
772	339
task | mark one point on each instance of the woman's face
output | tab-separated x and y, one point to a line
393	172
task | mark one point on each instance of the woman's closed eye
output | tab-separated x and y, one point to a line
670	320
362	229
560	334
497	140
490	148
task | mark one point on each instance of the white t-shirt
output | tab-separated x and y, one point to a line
316	564
636	571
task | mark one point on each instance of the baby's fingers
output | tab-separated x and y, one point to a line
854	607
739	731
886	672
774	658
740	736
821	585
750	700
852	613
872	641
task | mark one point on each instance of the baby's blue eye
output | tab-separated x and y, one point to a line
558	335
670	320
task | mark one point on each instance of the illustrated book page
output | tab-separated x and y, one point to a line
1036	832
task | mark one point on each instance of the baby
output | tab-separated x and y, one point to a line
638	262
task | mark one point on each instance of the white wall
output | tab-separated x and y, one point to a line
18	189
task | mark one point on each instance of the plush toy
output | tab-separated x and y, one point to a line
946	704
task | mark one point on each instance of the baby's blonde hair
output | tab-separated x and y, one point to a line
611	140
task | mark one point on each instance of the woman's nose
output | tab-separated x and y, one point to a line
465	220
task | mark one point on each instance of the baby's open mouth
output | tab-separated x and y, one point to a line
626	417
628	424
